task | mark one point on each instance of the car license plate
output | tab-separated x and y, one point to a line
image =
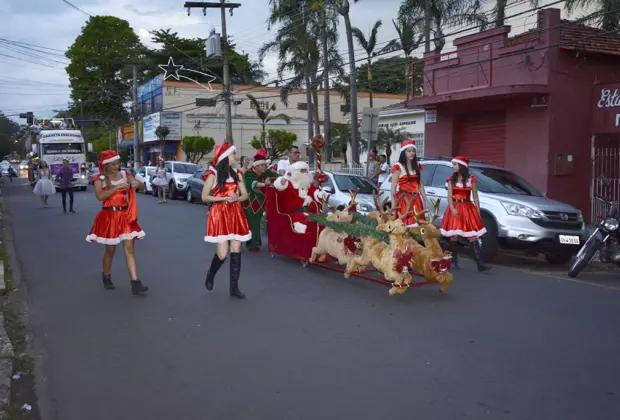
569	239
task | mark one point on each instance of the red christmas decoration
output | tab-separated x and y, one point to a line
318	143
402	259
352	244
444	264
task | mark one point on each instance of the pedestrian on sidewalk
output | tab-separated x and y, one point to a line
256	180
118	219
225	190
44	186
462	217
160	180
65	181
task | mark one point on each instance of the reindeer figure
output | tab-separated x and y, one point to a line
429	259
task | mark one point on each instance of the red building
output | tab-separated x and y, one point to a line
542	104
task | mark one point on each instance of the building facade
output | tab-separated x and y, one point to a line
524	102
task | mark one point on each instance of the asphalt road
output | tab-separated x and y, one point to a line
306	344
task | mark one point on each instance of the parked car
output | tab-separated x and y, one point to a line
23	164
145	175
515	214
339	185
92	175
177	175
195	185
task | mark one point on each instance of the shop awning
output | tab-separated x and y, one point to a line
126	143
476	94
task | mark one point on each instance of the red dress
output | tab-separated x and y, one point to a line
113	226
226	222
468	223
408	187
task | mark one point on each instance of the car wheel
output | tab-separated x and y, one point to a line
173	190
189	195
490	243
559	257
83	189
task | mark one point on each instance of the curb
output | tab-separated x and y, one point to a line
7	353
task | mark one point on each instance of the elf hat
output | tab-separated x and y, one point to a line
222	152
105	157
260	158
407	144
461	160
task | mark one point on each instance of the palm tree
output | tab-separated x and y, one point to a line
265	116
605	12
408	41
388	137
369	46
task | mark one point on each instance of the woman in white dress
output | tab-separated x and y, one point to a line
44	186
160	180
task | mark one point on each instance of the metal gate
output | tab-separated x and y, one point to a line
483	137
605	163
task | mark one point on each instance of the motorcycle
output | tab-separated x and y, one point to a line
605	239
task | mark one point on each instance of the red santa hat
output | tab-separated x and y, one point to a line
105	157
461	160
260	158
222	152
407	144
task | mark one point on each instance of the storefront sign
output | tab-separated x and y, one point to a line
172	120
127	132
606	110
149	125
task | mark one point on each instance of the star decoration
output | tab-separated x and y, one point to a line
171	68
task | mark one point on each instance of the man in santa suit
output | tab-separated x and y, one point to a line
297	196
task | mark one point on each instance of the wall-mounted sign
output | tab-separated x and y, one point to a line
172	120
606	109
430	116
609	99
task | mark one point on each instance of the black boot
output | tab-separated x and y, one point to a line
235	271
137	287
216	263
454	248
478	256
107	282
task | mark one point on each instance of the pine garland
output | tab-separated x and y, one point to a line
358	230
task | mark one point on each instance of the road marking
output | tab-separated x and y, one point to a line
552	276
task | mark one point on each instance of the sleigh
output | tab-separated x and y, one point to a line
284	241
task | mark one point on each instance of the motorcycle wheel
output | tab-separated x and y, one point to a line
584	256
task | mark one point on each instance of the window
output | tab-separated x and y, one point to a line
351	183
442	173
210	102
184	168
199	173
419	143
264	105
427	173
63	148
328	183
158	103
146	107
302	106
499	181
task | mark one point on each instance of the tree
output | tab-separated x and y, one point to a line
277	143
98	66
197	147
604	13
9	135
162	132
369	46
408	41
390	76
388	137
265	116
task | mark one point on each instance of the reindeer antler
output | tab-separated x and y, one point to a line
352	203
325	200
435	209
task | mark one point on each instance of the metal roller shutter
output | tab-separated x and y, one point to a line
483	137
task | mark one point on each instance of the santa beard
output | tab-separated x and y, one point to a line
301	180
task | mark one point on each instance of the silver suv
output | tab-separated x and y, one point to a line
516	214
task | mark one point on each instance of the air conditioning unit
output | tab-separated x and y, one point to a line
214	46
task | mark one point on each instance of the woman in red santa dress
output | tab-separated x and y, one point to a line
407	183
118	219
225	190
462	217
299	195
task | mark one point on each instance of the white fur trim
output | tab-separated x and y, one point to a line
115	241
227	153
231	237
112	159
460	162
409	146
459	232
300	227
298	166
261	162
413	225
318	195
278	183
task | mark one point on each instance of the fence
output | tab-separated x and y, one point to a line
351	168
606	163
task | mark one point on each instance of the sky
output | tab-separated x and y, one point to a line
35	80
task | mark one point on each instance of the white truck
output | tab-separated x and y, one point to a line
55	144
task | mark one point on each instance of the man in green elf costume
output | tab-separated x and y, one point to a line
256	179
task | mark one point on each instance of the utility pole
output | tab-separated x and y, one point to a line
427	26
226	93
136	127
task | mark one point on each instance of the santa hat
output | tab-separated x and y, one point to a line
461	160
260	158
298	166
107	156
407	144
222	152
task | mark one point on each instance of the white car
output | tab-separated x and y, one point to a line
144	175
177	175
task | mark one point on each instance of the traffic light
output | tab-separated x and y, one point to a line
29	116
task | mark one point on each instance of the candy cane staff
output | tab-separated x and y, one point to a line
118	219
407	182
225	190
462	217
